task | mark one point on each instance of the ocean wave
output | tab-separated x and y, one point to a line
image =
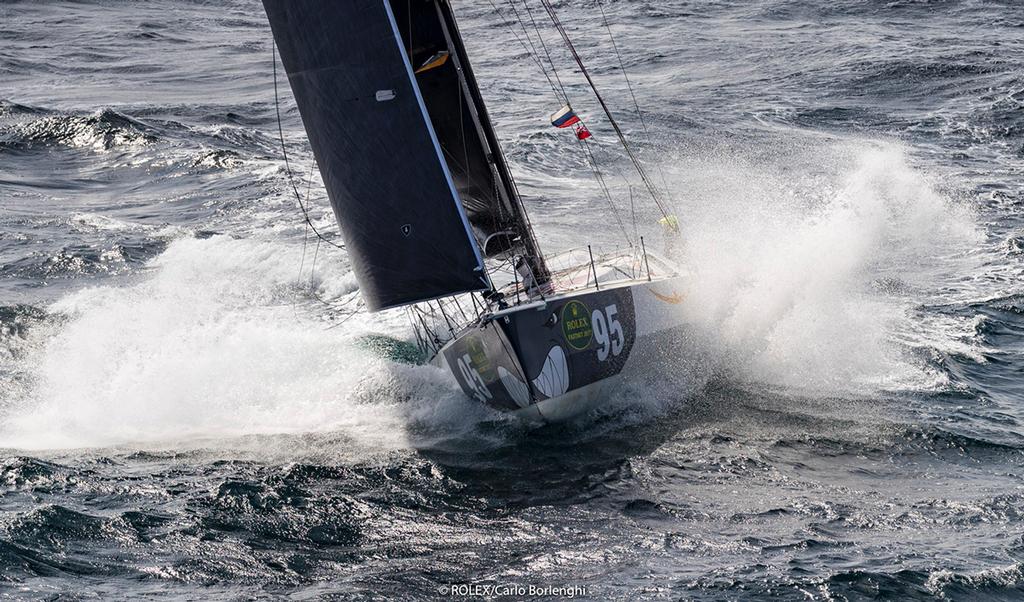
104	130
55	525
934	440
10	109
218	159
995	582
81	261
16	319
1002	583
22	472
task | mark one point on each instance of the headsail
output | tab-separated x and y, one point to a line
405	229
464	130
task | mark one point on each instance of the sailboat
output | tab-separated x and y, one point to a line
433	221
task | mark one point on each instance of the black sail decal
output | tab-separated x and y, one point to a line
405	229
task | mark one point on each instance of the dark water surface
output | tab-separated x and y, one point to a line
179	418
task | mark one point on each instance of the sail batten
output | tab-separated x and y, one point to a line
407	233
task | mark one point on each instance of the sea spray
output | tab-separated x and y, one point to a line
214	341
786	266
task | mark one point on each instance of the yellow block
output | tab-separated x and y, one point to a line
434	62
670	222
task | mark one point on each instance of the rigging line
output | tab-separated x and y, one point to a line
284	152
305	231
546	51
632	209
531	53
408	11
302	264
351	315
522	208
522	24
622	66
526	215
463	168
629	86
494	218
312	290
298	277
604	106
312	270
462	123
604	187
599	176
472	179
528	232
586	73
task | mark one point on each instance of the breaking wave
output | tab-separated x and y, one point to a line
104	130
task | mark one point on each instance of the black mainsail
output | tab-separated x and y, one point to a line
410	161
404	227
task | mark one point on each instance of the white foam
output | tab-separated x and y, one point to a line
787	264
210	344
97	223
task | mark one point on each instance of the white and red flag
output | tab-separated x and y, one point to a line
565	117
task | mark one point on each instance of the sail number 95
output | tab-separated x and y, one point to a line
608	332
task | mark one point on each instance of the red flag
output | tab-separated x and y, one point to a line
582	132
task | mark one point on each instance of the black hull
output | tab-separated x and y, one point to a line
559	349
